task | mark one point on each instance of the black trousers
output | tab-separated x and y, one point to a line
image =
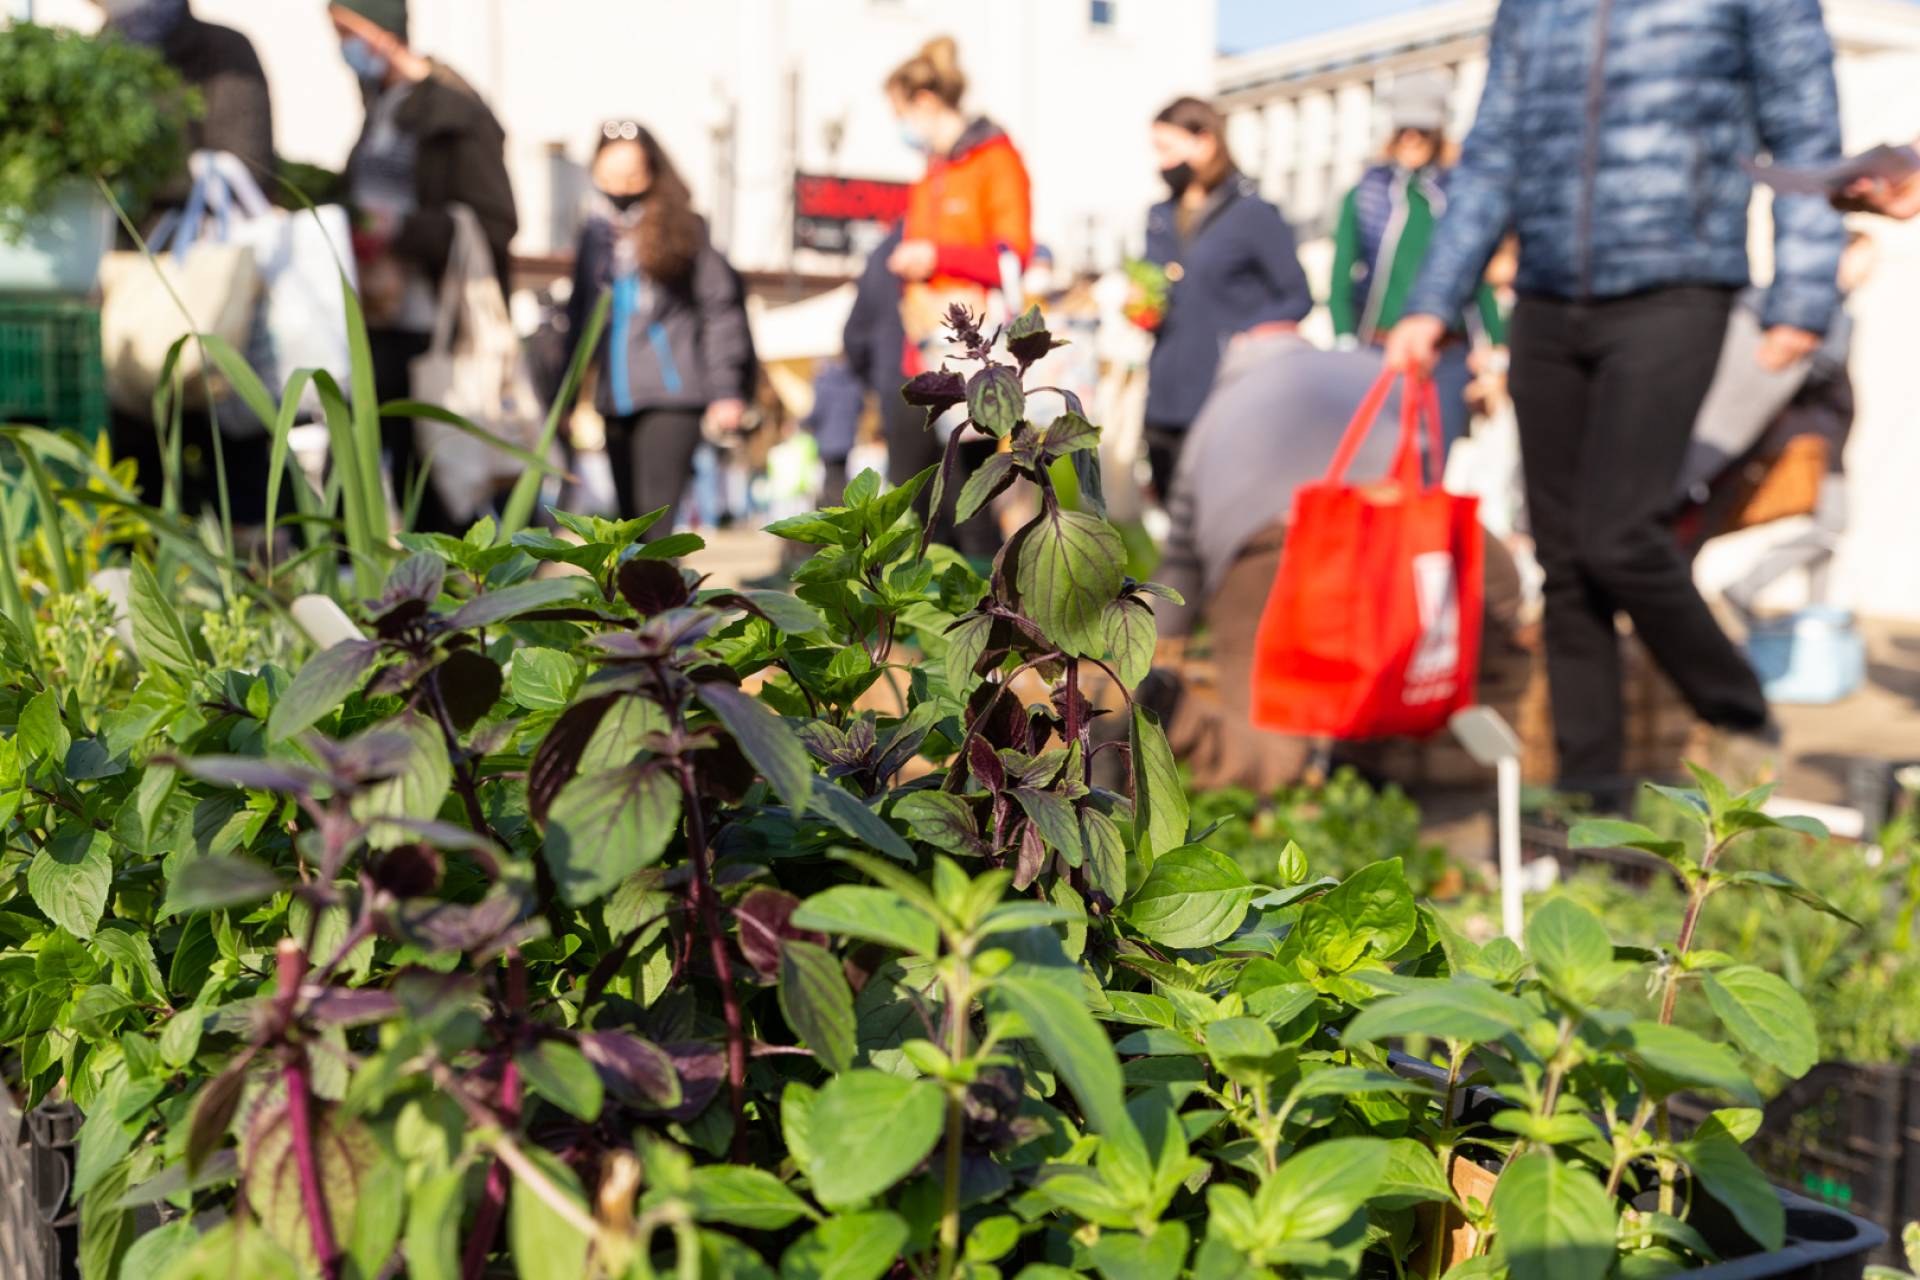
1606	394
247	459
393	352
651	454
912	447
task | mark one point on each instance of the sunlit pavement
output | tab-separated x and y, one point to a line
736	555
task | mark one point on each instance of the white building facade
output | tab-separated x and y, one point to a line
744	93
1307	117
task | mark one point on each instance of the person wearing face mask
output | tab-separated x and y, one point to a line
1230	266
969	225
222	66
1385	223
677	349
428	143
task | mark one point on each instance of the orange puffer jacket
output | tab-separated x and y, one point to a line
974	203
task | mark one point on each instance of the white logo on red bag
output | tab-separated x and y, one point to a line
1434	671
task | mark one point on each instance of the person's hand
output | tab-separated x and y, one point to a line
1414	344
914	259
1783	344
1877	195
725	415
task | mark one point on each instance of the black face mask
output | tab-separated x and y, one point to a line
1178	177
625	201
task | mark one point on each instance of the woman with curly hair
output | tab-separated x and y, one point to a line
676	349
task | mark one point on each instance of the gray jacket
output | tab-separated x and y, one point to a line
1278	408
668	345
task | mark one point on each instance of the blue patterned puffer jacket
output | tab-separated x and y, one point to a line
1610	136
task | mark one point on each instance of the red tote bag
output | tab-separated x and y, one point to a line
1372	628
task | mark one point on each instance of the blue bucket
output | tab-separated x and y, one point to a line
1811	657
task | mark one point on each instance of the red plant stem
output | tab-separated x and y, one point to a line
290	968
1074	728
493	1200
1696	900
709	915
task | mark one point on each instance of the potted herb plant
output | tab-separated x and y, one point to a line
79	110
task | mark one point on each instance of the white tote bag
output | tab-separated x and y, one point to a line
141	309
474	368
301	322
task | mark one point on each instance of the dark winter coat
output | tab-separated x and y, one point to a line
839	398
875	339
678	344
1611	135
221	64
461	160
1235	268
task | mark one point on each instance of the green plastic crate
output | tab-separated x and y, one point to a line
50	369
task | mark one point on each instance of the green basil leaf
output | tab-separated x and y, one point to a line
817	1002
1555	1220
1193	897
869	1130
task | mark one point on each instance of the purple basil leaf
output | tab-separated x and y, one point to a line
636	1071
558	758
411	871
936	390
372	756
652	586
1032	857
470	683
986	766
511	602
213	1110
418	577
348	1007
702	1069
761	918
251	773
320	686
451	926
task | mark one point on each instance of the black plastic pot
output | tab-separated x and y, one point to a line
1846	1135
39	1232
1823	1243
39	1223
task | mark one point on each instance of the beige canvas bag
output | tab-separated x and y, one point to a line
215	279
475	368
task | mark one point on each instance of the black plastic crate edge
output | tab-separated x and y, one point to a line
1798	1259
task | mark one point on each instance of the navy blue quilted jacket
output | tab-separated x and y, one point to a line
1611	135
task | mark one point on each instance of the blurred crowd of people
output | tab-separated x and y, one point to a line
1573	275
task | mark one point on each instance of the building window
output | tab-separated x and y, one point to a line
1100	13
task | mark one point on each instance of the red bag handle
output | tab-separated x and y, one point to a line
1420	400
